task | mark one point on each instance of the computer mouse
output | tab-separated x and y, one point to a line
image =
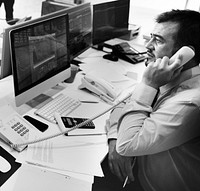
111	57
4	165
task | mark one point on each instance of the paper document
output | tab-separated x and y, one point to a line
33	178
78	156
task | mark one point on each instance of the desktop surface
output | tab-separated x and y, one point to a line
86	109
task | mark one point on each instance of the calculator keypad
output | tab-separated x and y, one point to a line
71	122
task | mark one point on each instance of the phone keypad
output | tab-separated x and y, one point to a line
18	126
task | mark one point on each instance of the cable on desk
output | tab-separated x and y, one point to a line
73	128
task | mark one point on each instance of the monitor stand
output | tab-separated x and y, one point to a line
75	62
101	46
74	70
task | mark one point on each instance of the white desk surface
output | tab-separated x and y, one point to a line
85	110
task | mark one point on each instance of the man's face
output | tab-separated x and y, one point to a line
162	42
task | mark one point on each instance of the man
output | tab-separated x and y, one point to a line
8	4
159	125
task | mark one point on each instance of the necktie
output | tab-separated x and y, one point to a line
155	98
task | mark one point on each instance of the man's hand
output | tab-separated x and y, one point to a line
119	165
159	73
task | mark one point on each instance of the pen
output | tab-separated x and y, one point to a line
126	179
125	182
106	99
85	101
135	53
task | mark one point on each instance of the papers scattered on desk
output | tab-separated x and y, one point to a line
35	179
95	63
64	154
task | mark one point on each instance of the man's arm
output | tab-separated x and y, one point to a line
119	165
142	131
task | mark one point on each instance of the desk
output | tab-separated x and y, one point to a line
85	110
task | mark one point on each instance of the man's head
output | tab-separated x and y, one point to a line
173	30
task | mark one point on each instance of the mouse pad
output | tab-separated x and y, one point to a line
14	166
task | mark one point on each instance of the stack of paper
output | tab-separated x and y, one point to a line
31	179
70	154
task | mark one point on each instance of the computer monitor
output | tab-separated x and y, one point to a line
81	35
6	68
110	20
39	55
5	56
80	28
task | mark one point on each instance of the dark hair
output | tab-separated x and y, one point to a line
189	28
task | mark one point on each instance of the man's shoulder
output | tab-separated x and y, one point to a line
188	95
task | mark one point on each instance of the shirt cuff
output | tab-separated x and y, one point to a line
112	134
144	94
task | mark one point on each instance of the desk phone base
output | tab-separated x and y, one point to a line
125	52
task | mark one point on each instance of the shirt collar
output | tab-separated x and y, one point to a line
185	75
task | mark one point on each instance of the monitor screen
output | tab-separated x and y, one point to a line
80	33
40	57
80	28
5	58
110	20
6	68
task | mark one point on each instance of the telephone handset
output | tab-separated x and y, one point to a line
100	87
13	128
187	54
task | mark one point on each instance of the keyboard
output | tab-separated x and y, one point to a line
62	104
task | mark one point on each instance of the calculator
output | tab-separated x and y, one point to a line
67	123
70	122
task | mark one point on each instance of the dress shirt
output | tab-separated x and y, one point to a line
164	137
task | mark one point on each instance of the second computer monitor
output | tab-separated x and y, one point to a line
80	28
110	20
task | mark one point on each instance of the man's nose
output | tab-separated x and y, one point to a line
149	44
